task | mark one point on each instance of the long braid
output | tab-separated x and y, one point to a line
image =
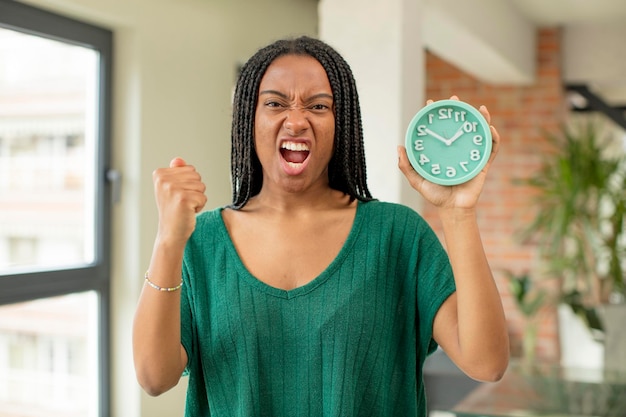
346	169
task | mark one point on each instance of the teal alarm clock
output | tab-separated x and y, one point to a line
448	142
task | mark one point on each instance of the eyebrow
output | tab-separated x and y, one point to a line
282	95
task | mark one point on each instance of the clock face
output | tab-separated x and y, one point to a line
448	142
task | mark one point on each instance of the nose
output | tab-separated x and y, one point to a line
296	121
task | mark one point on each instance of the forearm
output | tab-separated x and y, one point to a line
481	324
158	355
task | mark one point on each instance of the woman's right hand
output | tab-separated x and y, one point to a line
179	193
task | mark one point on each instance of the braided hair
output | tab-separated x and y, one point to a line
346	169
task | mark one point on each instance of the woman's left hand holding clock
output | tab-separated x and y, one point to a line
463	195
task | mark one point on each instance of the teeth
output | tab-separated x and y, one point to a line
294	146
293	164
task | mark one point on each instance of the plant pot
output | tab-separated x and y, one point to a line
579	350
614	317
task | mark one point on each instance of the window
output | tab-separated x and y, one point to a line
54	214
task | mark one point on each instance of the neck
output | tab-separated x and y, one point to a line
313	200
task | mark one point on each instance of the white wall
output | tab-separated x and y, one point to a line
487	38
174	68
596	54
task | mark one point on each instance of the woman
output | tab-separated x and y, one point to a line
305	296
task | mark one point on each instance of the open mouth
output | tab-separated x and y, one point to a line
294	152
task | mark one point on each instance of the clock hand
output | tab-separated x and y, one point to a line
457	135
436	136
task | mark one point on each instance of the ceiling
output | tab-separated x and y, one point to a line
563	12
610	94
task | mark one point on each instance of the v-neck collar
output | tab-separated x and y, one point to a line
309	286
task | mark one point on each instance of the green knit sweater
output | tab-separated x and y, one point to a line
350	343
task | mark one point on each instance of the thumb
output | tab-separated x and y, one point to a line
177	162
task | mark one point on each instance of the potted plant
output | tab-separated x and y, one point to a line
580	203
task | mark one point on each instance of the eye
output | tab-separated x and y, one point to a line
273	104
320	107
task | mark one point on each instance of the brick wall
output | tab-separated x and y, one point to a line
520	114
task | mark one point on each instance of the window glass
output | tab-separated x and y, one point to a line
48	123
54	214
49	357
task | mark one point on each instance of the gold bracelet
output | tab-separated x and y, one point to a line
164	289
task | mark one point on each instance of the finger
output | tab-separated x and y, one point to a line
177	162
187	185
407	169
483	110
495	136
455	97
201	203
182	174
194	200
